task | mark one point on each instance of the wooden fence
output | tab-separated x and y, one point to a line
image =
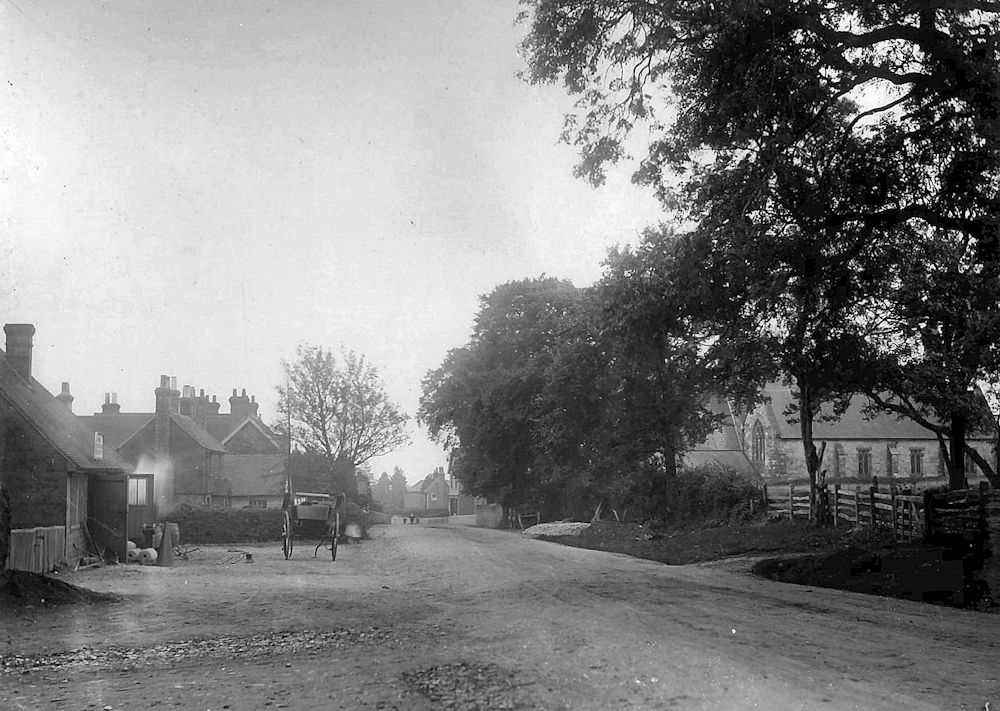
37	550
908	516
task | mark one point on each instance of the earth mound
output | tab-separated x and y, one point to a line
22	589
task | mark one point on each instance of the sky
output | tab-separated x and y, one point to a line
194	189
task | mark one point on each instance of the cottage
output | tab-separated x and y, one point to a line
70	495
202	456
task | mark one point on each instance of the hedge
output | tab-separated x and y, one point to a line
205	525
209	525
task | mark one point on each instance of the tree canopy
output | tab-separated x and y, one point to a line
819	152
339	410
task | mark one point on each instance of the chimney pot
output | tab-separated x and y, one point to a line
64	396
107	397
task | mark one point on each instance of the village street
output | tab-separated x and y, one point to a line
421	617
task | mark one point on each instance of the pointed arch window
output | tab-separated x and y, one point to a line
757	443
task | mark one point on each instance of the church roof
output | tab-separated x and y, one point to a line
853	424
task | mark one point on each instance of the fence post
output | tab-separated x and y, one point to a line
791	503
836	504
892	502
767	505
871	501
857	506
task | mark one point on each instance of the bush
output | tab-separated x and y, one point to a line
203	525
712	495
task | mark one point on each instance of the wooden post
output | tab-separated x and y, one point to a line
894	519
791	503
857	507
836	504
767	505
928	516
871	501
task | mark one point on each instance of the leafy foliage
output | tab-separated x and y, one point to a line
340	412
557	401
821	152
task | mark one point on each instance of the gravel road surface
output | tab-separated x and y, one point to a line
425	617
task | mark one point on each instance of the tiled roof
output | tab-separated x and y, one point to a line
198	433
257	425
118	427
70	436
853	424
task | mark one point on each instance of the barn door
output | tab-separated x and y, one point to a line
141	509
107	516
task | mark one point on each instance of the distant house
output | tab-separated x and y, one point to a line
202	456
459	503
71	496
856	446
436	491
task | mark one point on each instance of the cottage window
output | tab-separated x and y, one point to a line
916	462
864	463
757	444
137	491
971	468
434	497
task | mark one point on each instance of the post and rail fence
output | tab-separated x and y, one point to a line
908	516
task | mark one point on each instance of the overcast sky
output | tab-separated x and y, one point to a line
193	189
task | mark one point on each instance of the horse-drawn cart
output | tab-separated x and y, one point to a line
314	517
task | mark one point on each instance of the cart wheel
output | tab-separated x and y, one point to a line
286	535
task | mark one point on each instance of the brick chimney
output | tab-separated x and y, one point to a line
186	404
110	406
166	398
239	405
200	408
252	407
64	397
213	407
175	396
19	343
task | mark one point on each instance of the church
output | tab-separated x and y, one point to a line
767	441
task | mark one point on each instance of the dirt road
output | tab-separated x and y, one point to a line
424	618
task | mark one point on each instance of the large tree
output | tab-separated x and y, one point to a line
484	397
565	397
805	132
339	410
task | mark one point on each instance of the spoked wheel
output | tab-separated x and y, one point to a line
286	535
